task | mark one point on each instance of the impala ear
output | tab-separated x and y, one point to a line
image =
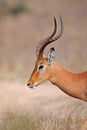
51	55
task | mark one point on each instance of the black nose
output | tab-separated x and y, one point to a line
28	84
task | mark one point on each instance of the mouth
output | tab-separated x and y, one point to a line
31	86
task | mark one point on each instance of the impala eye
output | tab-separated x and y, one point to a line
41	67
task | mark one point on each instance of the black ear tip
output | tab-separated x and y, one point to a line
52	49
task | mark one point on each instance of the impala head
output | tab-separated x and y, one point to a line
43	65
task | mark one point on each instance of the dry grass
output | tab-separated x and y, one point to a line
16	121
45	108
41	109
38	121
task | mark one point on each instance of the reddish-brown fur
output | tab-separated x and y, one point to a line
73	84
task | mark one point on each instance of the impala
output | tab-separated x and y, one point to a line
46	68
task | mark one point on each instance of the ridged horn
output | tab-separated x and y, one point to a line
42	44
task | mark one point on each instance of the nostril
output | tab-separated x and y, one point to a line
28	84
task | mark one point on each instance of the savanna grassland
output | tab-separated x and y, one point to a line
22	25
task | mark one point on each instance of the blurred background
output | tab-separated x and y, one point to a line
23	23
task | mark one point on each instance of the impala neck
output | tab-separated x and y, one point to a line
73	84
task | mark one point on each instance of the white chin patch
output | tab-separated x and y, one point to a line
33	87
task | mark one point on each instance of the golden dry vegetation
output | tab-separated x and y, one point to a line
45	108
